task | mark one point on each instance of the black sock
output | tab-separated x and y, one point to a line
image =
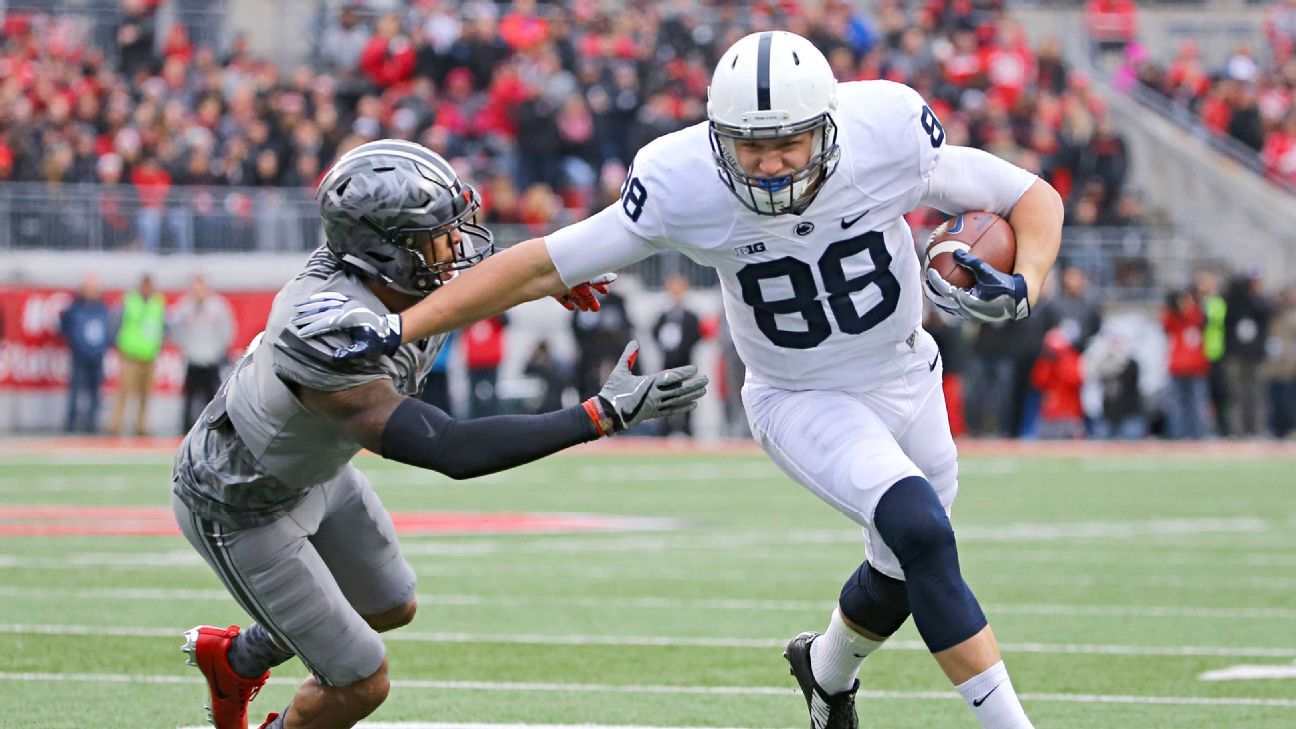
254	652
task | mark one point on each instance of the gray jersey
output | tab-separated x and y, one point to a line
266	452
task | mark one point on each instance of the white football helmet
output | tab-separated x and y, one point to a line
769	85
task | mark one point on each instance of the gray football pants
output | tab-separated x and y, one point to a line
310	575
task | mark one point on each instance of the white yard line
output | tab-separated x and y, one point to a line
672	603
674	690
125	561
416	636
1251	673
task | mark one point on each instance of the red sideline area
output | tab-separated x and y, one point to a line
47	521
54	447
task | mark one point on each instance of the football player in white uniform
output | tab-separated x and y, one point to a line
803	224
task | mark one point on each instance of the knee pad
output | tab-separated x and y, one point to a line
913	524
873	601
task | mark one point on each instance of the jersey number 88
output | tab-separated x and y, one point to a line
805	294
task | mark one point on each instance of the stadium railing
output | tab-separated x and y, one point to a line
1129	263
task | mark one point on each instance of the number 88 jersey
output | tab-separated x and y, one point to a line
829	299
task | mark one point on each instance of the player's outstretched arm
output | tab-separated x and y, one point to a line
514	276
410	431
1036	221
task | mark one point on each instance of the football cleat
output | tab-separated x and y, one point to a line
269	720
826	712
228	693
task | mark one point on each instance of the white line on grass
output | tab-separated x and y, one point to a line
1250	673
672	603
416	636
658	689
124	562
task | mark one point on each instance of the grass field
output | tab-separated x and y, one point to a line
1113	584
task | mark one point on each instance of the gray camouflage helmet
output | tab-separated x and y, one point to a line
377	196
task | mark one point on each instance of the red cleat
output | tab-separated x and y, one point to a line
269	719
230	693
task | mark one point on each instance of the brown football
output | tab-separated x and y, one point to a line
986	235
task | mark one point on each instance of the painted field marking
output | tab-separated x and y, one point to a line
653	641
671	690
1248	672
674	603
73	520
125	561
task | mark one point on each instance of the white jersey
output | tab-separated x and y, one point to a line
829	299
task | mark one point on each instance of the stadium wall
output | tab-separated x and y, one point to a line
34	288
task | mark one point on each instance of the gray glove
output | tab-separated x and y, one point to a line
628	400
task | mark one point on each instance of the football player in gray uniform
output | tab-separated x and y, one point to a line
263	484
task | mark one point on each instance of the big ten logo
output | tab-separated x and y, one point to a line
40	313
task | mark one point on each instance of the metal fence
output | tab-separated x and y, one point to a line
97	21
1135	263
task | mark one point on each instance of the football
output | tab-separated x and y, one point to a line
988	236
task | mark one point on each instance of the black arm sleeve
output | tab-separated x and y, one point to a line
425	436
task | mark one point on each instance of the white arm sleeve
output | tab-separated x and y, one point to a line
967	179
595	245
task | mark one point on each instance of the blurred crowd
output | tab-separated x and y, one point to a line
1247	98
1216	360
542	107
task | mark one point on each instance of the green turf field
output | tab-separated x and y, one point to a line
1113	584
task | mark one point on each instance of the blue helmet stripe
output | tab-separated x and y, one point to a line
763	71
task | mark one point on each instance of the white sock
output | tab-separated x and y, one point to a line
835	656
992	699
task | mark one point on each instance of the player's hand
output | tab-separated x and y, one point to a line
996	296
372	334
581	296
627	400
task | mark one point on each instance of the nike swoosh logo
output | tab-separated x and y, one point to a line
932	367
631	415
977	703
431	432
848	223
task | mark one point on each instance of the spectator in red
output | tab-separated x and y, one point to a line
177	43
152	184
1280	28
483	352
6	162
1112	23
1058	375
523	29
1279	152
963	65
1186	80
1189	395
389	57
1009	62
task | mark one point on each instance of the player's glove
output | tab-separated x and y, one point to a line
996	296
372	334
581	296
627	400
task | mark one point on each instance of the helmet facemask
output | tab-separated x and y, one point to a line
406	245
791	193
